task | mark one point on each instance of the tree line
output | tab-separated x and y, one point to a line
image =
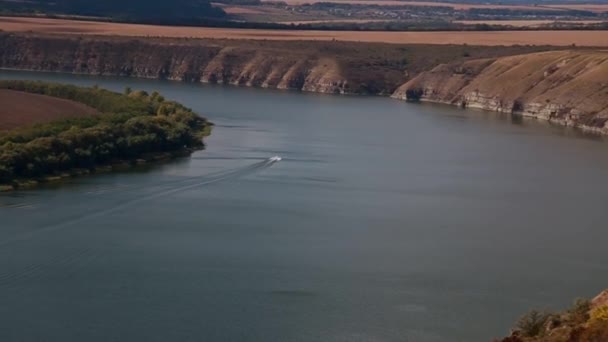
120	9
131	125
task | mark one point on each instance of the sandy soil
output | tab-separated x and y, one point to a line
20	109
63	26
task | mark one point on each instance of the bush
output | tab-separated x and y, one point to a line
414	94
579	312
533	323
600	314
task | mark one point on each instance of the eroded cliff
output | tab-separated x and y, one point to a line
205	62
326	67
569	87
566	87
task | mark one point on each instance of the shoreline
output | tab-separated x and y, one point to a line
115	166
132	128
597	131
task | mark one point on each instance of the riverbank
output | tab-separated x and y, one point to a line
149	159
564	85
323	67
128	129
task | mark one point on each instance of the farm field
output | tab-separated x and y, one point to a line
21	109
598	8
76	27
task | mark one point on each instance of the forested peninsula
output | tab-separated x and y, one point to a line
119	130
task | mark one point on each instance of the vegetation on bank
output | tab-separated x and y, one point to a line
585	321
131	126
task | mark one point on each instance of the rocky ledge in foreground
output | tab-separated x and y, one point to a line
565	87
585	321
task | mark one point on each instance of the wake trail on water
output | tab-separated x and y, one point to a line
212	175
182	185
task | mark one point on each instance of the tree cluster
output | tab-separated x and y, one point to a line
131	125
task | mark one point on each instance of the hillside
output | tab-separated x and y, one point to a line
328	67
561	84
566	87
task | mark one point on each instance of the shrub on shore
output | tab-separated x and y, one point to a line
130	126
585	321
414	94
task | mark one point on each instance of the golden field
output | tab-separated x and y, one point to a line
77	27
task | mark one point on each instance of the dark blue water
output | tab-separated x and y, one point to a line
384	221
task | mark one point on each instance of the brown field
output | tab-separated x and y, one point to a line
20	109
335	21
525	23
488	38
598	8
456	6
230	9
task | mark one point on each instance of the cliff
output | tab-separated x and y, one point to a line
325	67
206	62
566	87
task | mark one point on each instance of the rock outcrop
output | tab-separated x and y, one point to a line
205	62
566	87
316	66
569	87
585	321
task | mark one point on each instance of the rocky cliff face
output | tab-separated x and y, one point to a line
202	62
566	87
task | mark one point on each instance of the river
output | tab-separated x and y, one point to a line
384	221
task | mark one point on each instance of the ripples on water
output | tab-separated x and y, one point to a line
384	221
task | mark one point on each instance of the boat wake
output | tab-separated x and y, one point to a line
174	187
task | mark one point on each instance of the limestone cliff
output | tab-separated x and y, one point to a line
316	66
205	61
567	87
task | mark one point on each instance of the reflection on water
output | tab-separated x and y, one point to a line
384	221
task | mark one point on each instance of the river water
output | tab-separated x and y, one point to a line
385	221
